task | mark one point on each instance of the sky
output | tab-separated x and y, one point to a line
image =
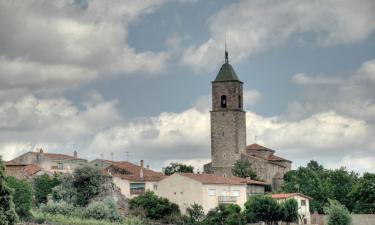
132	78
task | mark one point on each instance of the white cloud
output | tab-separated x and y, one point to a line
48	44
355	163
251	98
253	26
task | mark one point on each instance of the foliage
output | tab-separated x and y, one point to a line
43	187
22	197
321	184
8	215
363	194
225	215
54	208
242	168
65	191
87	182
337	213
195	214
262	208
106	210
155	207
73	220
178	168
289	211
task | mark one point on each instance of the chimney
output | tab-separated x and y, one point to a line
75	154
41	151
142	163
141	172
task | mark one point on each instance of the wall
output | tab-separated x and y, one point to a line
357	219
124	186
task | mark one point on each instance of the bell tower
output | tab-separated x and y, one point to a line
228	120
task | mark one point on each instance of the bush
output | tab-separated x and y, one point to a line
262	208
195	213
225	215
22	197
43	187
155	207
337	213
54	208
289	211
87	182
106	210
8	215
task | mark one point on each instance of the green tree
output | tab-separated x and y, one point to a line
43	187
87	182
242	168
337	213
289	211
195	214
262	208
178	168
65	191
154	206
225	215
363	194
8	215
22	197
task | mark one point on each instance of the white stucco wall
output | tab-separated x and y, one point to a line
124	186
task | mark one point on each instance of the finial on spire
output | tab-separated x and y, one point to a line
226	52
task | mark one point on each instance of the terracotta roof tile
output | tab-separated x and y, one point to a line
256	147
31	169
288	195
215	179
277	158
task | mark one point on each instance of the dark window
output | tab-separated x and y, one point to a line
60	166
303	202
223	101
239	102
137	188
304	221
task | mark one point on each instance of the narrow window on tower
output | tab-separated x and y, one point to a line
239	102
223	101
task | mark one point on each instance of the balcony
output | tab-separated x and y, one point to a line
227	199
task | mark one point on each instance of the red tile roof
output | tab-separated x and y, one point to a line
258	147
21	171
289	195
277	158
134	172
31	169
215	179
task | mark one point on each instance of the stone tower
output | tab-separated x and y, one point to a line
228	122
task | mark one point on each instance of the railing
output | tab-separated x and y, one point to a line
136	191
227	199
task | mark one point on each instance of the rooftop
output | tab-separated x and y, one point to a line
215	179
289	195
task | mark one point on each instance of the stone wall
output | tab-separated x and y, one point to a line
357	219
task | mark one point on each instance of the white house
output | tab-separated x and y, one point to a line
303	204
207	190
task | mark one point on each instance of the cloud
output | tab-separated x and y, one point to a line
49	44
251	97
254	26
356	163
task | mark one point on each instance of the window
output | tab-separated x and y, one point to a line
239	102
211	192
236	193
304	221
223	101
155	187
60	166
303	202
137	188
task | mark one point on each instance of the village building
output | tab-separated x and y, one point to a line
23	171
228	133
132	179
50	162
207	190
303	205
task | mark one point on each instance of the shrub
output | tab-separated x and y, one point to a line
54	208
154	206
106	210
8	215
262	208
225	215
289	211
195	213
87	182
43	187
337	213
22	197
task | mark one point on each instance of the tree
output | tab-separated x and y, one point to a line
337	213
363	194
262	208
289	211
8	215
178	168
242	168
87	182
65	191
43	187
195	213
22	197
225	215
154	206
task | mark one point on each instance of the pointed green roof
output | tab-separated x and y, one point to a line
226	73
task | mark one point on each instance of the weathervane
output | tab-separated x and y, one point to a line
226	52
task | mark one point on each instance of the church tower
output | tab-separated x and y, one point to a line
228	122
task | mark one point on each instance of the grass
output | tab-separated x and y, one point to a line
71	220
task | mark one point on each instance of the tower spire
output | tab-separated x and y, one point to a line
226	52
